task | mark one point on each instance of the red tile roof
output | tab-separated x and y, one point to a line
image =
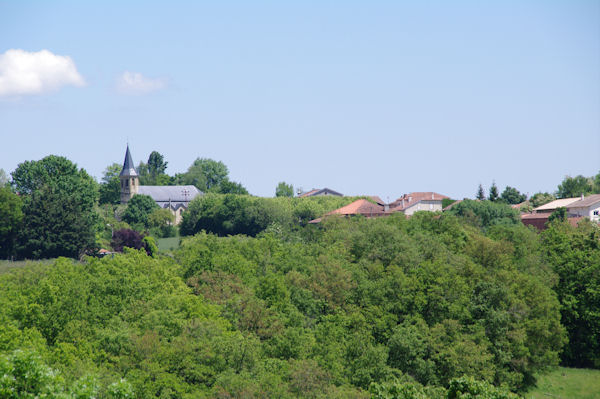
358	207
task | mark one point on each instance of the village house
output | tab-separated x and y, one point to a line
588	207
407	204
174	198
418	201
320	191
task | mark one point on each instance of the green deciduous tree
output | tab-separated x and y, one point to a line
11	217
139	208
574	187
206	174
574	254
59	216
161	223
539	199
156	164
511	195
284	190
230	187
3	178
485	213
110	188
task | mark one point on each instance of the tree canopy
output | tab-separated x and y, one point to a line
574	187
110	187
139	208
59	216
511	195
11	217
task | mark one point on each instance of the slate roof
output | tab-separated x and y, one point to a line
174	194
128	167
585	202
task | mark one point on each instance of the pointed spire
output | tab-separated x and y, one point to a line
128	168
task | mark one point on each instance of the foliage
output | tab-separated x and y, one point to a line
459	303
284	190
161	223
574	254
574	186
447	201
558	214
485	213
469	388
539	199
11	217
59	214
480	193
138	211
367	299
230	187
511	195
110	188
4	178
493	195
126	238
156	165
206	174
237	214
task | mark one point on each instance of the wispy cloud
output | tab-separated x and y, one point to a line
136	83
25	73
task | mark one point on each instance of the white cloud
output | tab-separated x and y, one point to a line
136	83
23	72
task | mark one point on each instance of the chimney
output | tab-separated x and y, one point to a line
431	195
409	198
386	207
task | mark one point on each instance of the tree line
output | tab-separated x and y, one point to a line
469	302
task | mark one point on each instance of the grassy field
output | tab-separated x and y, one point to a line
565	383
167	244
6	265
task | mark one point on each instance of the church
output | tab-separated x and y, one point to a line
174	198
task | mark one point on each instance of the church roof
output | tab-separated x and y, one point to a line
128	168
170	193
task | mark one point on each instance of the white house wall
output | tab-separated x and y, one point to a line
425	205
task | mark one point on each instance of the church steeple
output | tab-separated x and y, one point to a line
128	168
129	178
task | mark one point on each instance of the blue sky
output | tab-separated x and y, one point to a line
378	98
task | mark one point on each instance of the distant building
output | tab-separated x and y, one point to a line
174	198
359	207
418	201
586	207
539	220
320	191
554	205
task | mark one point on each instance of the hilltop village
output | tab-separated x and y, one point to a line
149	285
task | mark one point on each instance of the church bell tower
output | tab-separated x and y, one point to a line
129	179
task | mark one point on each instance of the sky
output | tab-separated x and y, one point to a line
366	98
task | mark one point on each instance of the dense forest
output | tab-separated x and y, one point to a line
257	303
